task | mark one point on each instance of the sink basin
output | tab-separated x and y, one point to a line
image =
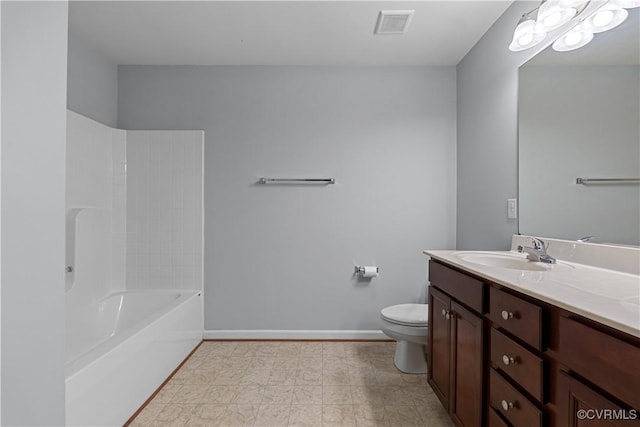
504	260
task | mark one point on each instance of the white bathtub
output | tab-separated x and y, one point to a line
122	348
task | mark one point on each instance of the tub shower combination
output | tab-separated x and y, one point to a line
134	296
122	348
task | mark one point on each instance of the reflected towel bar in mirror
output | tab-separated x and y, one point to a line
587	181
297	180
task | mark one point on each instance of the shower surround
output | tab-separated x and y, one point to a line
134	229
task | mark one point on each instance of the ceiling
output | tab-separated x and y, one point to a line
302	32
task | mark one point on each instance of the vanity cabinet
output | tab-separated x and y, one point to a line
516	375
524	367
520	318
456	343
500	358
514	406
439	353
599	372
579	406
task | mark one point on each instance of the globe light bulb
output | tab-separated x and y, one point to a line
627	4
607	17
603	18
553	15
574	39
527	34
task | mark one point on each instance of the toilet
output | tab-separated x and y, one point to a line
408	325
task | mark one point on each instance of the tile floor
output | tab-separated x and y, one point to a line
243	383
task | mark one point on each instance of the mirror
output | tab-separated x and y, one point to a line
579	117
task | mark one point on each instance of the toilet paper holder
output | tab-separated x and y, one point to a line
359	269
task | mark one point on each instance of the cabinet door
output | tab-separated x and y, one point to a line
579	405
439	345
601	358
467	338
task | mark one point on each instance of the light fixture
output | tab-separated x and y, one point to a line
607	17
557	17
576	4
627	4
528	33
574	39
552	14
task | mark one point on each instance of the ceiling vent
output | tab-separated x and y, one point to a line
393	21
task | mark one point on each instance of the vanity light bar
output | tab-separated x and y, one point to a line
563	16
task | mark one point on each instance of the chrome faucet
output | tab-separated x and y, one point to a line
538	251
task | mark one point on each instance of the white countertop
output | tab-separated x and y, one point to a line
606	296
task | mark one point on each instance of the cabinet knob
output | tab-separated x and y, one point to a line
506	315
506	405
508	360
446	313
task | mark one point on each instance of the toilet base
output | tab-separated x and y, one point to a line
410	358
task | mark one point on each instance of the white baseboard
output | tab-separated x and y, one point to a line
276	334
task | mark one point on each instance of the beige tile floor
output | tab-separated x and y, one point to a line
243	383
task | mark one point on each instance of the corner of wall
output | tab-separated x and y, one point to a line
92	82
487	135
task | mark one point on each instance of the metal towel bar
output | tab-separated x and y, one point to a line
587	181
295	180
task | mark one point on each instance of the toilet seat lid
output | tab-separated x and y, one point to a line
407	314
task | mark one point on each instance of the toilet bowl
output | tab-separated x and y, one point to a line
407	324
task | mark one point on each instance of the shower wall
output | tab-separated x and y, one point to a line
134	210
164	209
95	226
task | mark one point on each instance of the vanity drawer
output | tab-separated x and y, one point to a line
607	361
517	316
518	363
465	289
511	403
495	420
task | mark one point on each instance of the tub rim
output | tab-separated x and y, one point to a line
101	350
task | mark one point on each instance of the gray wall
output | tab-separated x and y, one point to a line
579	122
92	83
34	67
282	257
488	135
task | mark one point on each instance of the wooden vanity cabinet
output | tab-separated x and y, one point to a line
439	353
517	368
456	344
582	406
500	358
598	372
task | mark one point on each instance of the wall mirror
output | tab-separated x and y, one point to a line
579	117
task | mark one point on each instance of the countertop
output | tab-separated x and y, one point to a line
609	297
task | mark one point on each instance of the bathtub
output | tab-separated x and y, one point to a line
119	350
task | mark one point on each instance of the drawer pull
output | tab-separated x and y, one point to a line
446	313
506	315
506	405
508	360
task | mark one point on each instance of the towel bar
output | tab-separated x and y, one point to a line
294	180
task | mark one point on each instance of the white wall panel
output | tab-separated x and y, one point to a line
164	209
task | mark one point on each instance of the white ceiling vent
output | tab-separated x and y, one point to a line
393	21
